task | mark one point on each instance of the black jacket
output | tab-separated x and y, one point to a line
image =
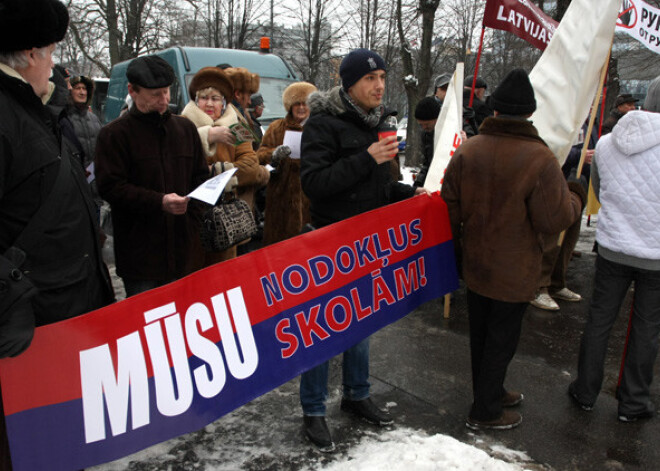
62	273
337	173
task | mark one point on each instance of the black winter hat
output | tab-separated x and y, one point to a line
25	24
357	64
514	95
427	109
150	72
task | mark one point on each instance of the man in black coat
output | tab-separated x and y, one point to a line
50	260
345	171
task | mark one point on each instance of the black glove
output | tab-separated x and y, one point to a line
17	330
579	186
279	153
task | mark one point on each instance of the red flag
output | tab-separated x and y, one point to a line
522	18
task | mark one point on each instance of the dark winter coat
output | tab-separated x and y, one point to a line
610	121
427	157
504	189
481	108
140	158
86	126
337	173
63	271
287	207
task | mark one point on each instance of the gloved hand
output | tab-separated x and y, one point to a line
279	153
579	186
219	167
17	330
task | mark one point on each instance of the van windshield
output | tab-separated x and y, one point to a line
272	90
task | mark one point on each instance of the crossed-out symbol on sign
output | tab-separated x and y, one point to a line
627	15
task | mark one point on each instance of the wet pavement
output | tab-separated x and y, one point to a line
420	370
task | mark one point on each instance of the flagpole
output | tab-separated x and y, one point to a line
594	112
476	65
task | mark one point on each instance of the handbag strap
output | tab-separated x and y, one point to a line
38	223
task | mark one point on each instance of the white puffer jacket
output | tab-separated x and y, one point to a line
627	183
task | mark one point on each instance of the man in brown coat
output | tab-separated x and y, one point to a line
147	161
504	188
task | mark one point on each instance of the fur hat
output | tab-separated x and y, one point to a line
427	109
211	77
25	24
514	95
243	80
150	72
88	82
357	64
296	93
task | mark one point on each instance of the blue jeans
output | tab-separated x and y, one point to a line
355	367
610	287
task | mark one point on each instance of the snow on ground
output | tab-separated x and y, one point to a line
405	449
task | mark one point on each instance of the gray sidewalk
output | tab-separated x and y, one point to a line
420	369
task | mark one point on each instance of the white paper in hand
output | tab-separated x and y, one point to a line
211	189
293	139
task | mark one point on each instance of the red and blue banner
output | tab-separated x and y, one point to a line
169	361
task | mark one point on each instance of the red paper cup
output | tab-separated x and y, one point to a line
385	134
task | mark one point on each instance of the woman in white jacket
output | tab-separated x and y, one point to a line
626	178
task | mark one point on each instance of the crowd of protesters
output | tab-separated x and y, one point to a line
507	243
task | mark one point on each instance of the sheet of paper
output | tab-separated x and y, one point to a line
211	189
292	139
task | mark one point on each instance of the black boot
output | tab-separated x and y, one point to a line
367	410
317	431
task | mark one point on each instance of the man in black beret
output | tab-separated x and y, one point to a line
50	259
622	104
147	161
504	189
479	105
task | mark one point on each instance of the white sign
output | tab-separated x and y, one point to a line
293	139
641	21
211	189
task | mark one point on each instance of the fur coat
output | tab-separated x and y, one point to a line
287	207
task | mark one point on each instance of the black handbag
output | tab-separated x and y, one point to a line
226	224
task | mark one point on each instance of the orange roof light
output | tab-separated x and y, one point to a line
264	44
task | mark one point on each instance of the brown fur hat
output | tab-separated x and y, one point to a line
211	77
296	93
243	79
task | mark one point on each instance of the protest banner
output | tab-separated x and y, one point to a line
522	18
566	77
169	361
641	21
447	133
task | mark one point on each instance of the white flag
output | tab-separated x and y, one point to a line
565	79
447	133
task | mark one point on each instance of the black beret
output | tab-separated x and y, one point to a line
481	83
25	24
150	72
427	109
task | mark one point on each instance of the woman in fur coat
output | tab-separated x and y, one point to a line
211	91
287	207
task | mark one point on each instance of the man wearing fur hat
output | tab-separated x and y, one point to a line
287	208
504	189
147	161
50	260
345	170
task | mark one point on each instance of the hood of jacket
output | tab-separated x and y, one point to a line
636	132
332	103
